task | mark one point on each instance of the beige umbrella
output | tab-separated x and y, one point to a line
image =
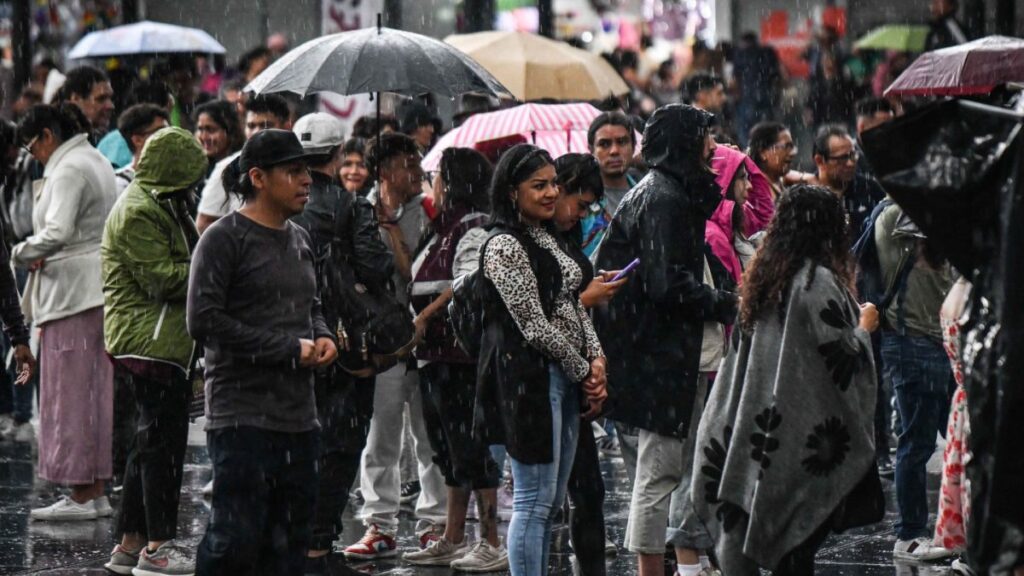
533	67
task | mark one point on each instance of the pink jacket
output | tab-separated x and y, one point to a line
757	211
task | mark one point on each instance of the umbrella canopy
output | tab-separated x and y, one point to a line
557	128
376	60
973	68
901	37
534	67
145	38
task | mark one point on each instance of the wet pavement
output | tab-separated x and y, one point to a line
64	548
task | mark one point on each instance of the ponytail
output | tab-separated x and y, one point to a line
63	120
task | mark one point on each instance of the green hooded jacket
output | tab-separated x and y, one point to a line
147	249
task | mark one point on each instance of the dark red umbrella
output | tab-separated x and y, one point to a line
973	68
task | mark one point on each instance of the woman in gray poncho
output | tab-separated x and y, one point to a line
788	430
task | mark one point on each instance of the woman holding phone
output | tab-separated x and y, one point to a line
539	356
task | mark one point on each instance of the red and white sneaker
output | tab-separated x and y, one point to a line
373	545
428	535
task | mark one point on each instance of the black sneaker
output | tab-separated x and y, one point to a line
886	469
410	492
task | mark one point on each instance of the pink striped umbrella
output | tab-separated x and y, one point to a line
557	128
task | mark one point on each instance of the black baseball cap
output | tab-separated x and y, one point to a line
271	147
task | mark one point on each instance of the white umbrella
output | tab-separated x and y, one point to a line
145	38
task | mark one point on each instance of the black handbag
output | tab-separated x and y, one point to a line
864	505
374	329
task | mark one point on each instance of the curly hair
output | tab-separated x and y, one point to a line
810	224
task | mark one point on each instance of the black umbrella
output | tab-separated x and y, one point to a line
377	60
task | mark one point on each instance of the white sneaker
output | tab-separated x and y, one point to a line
103	507
919	550
960	568
65	509
440	552
483	558
23	432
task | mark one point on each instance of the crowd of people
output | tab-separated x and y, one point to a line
749	337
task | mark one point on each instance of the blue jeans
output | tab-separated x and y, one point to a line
922	380
540	488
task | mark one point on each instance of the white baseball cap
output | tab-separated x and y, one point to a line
319	132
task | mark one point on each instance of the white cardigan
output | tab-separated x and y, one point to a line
72	201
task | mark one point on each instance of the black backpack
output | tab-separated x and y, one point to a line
467	307
377	329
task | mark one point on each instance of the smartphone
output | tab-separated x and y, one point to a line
625	271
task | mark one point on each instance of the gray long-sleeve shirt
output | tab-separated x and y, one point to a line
252	296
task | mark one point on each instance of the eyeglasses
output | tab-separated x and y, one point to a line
787	146
28	146
850	157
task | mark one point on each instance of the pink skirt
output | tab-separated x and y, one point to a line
76	400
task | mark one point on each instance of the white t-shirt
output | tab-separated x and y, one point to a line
215	201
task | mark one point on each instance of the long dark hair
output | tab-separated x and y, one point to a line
224	115
63	120
514	168
810	224
466	174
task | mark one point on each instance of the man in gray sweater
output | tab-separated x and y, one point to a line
252	303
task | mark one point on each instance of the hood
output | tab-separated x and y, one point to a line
172	160
674	138
725	164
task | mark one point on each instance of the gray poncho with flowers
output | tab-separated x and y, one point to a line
788	429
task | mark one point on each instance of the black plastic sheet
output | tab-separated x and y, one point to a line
955	169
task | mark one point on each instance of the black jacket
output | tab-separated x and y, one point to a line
513	405
944	32
343	226
653	329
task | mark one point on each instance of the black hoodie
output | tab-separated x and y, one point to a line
653	329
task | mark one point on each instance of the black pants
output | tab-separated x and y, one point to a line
586	494
152	477
800	560
263	502
344	406
449	391
126	417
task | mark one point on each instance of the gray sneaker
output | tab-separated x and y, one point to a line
483	558
440	552
122	561
169	559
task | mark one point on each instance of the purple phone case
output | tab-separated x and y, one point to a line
625	271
